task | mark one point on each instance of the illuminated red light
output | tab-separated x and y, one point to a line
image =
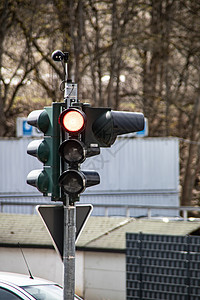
72	120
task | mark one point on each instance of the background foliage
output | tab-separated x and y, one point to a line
127	54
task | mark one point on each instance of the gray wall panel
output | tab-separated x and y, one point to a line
133	172
138	164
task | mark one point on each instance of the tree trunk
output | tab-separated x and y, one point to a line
189	176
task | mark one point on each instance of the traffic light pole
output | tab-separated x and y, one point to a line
69	227
69	250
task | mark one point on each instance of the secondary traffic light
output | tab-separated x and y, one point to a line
46	150
73	151
104	125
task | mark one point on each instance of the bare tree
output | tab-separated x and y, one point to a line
135	55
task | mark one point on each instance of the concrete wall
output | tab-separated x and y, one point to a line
105	276
44	263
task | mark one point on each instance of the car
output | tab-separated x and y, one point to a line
14	286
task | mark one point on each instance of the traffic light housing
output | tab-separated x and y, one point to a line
46	150
73	152
104	125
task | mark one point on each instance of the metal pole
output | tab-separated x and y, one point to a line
69	251
69	226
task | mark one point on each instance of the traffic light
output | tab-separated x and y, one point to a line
104	125
73	151
46	150
86	130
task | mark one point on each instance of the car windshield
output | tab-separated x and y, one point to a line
45	292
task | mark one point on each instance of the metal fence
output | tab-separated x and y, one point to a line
127	204
162	267
26	205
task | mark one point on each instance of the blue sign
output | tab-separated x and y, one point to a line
27	129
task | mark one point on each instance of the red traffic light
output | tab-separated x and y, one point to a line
72	120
